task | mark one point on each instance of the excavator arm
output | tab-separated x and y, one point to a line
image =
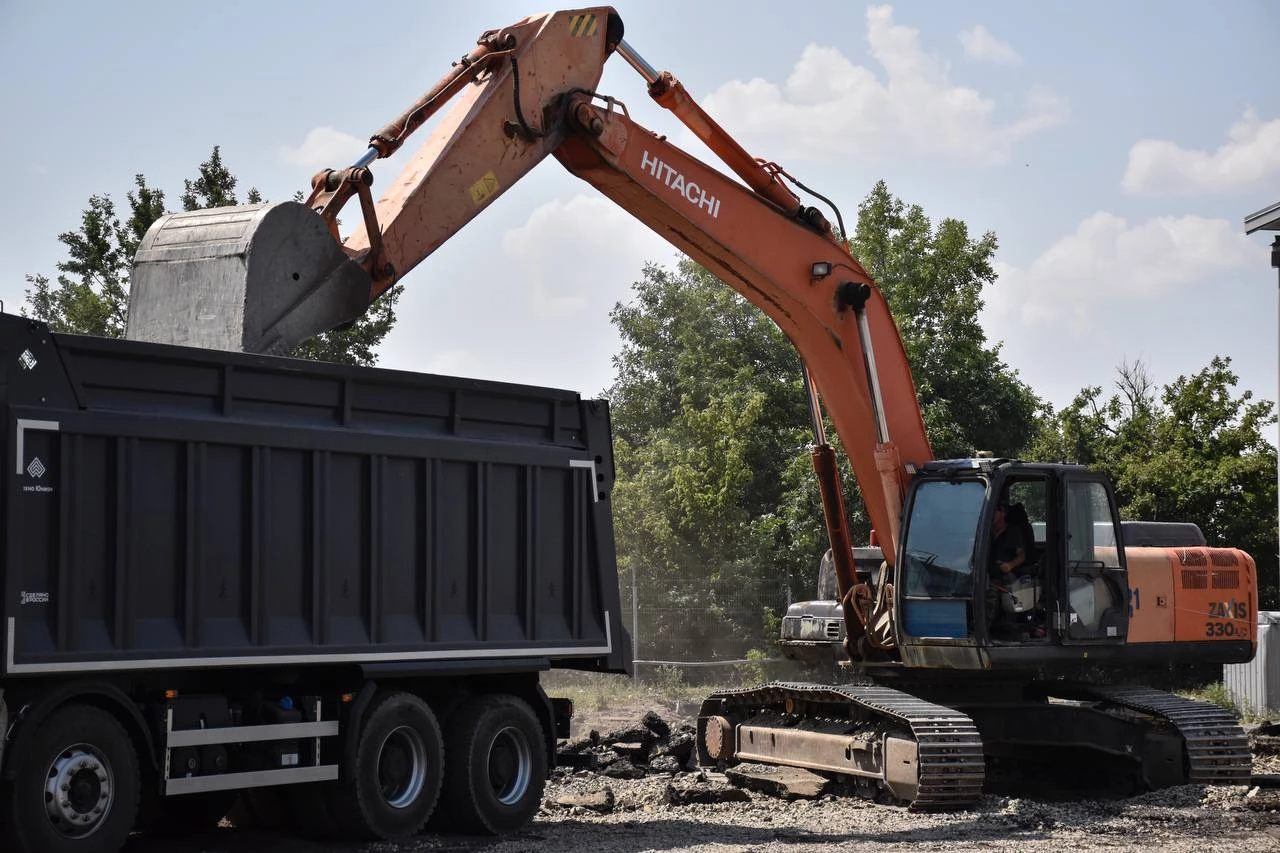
526	92
504	121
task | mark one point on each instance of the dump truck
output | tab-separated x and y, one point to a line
335	585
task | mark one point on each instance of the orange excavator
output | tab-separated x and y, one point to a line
967	648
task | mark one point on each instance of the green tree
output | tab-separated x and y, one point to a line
717	507
214	186
90	296
708	415
1192	451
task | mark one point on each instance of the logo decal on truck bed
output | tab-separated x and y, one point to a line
36	470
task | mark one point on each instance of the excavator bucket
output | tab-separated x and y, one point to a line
258	278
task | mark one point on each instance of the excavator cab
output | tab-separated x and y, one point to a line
956	609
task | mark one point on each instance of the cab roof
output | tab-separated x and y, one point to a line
988	465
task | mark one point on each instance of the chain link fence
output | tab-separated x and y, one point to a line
683	631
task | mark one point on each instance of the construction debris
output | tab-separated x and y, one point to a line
624	769
601	801
650	746
1265	738
656	724
788	783
697	792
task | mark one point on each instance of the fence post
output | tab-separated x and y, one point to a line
635	625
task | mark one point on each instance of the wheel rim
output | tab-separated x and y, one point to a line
510	765
402	767
78	791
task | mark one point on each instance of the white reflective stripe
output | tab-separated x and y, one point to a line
356	657
23	426
588	463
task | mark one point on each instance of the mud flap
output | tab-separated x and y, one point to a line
257	278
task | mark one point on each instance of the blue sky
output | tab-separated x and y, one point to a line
1114	148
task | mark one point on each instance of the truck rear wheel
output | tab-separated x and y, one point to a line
495	765
77	791
395	783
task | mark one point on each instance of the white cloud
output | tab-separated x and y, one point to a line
1109	265
1249	157
566	250
325	147
541	293
845	109
1170	291
980	44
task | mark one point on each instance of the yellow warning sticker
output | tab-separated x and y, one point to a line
483	188
583	25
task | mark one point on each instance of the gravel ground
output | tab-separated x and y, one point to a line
1189	819
1178	819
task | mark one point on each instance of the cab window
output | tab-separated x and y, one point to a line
940	538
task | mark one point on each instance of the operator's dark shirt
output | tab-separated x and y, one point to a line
1005	548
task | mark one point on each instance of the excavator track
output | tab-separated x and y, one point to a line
950	764
1217	749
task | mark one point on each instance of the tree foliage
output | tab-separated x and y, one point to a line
716	505
214	186
708	415
90	294
1193	451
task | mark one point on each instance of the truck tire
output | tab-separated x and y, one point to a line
395	784
78	789
495	766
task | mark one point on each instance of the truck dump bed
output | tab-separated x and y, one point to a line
172	507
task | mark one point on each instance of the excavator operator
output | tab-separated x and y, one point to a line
1008	553
1008	544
